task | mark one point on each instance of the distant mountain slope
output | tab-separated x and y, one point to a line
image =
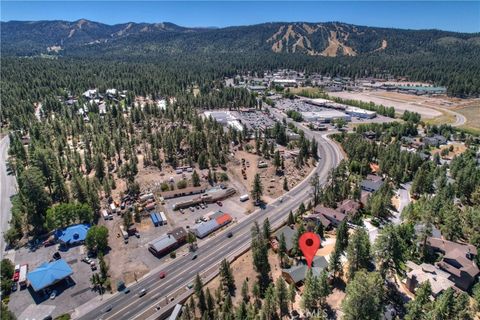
315	39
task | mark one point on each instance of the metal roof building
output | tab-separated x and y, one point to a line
72	234
48	274
324	116
163	244
203	229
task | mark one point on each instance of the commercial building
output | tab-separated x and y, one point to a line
325	116
48	274
168	242
72	235
285	82
203	229
183	192
225	118
360	113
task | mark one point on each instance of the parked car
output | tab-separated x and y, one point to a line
57	256
137	234
16	274
191	209
53	295
87	260
202	206
220	203
127	290
14	286
198	207
190	286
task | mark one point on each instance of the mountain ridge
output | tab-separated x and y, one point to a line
329	39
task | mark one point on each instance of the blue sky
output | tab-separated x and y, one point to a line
445	15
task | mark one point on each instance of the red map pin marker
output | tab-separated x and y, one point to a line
309	243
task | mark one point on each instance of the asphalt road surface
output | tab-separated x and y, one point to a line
7	189
181	271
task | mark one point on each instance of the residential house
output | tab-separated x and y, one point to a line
289	234
458	260
335	217
418	274
372	183
296	274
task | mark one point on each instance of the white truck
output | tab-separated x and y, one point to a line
113	208
106	215
124	234
164	218
22	279
244	197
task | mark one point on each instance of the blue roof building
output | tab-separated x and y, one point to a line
48	274
73	234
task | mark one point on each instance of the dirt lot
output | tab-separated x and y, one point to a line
471	111
399	101
272	183
458	148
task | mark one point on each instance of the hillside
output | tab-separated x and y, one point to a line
331	39
331	48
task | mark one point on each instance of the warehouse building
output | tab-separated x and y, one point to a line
168	242
325	116
360	113
203	229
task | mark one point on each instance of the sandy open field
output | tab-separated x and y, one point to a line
400	102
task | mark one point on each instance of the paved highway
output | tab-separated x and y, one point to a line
7	189
181	271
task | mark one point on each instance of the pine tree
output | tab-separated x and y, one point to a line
241	311
335	264
282	250
281	296
358	251
245	294
285	184
198	288
195	179
308	302
210	303
226	276
291	219
266	229
364	296
257	189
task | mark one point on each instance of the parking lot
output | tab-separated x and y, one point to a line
232	206
70	293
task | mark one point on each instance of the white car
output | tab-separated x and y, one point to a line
53	295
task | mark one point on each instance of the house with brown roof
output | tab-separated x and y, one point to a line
418	274
335	217
329	217
458	261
